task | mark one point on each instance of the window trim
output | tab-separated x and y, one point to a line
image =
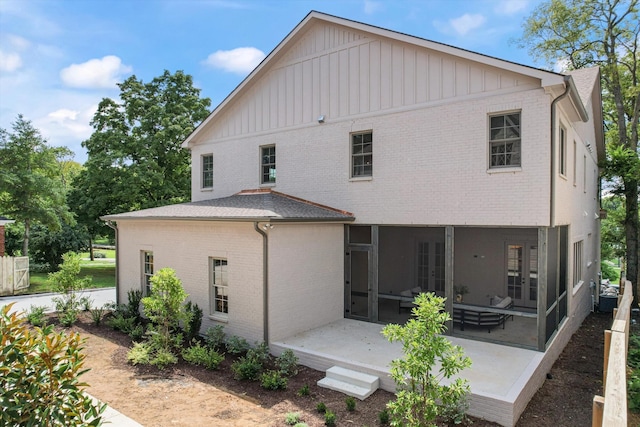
204	171
578	262
575	163
213	312
363	155
264	164
145	276
504	141
562	151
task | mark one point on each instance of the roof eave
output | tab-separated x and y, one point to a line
117	218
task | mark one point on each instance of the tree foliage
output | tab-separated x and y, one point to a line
39	372
604	33
135	159
48	247
31	179
421	398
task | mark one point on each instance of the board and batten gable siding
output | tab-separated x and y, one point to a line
186	246
306	277
338	72
430	164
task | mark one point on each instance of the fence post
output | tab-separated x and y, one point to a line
598	409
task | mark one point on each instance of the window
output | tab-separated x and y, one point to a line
147	271
575	163
268	165
504	140
219	296
207	171
362	154
584	174
563	152
577	262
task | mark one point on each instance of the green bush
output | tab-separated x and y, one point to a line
273	380
97	314
237	345
202	356
351	403
214	337
193	321
246	368
304	391
329	418
39	371
140	354
421	396
36	315
120	322
68	318
163	358
85	303
287	363
132	308
67	283
383	417
321	408
136	333
292	418
609	272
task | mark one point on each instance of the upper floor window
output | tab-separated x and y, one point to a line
207	171
361	154
504	140
147	271
563	152
577	262
268	164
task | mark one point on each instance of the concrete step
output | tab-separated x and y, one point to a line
349	382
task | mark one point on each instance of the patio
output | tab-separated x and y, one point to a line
502	379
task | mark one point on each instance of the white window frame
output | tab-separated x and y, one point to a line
562	163
218	288
268	161
575	163
578	262
499	139
361	152
206	177
146	270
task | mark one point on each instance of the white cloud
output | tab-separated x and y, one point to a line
509	7
371	7
465	23
95	73
240	60
9	61
561	65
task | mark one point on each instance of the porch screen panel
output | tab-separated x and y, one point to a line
551	323
533	273
439	267
423	265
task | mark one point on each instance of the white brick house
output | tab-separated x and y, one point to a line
401	164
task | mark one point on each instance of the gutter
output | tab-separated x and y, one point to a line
114	226
265	282
552	196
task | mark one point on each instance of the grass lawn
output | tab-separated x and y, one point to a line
103	274
108	253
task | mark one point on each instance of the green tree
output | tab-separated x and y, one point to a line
67	282
421	398
39	372
612	230
48	247
31	184
602	33
135	158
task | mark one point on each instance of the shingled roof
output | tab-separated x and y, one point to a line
248	205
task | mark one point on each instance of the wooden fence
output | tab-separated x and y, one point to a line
611	410
14	274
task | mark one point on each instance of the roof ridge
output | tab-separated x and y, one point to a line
288	196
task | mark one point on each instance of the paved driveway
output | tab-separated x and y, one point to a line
99	297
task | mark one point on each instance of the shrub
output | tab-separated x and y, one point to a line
162	358
301	425
40	369
193	321
203	356
383	417
351	403
608	272
329	418
85	303
260	353
96	315
287	363
136	333
421	396
304	391
321	407
67	283
121	323
273	380
140	354
237	345
246	368
214	337
134	299
36	315
68	318
292	418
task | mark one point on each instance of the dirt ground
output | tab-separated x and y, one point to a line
185	395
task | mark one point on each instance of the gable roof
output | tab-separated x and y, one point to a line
248	205
587	81
547	78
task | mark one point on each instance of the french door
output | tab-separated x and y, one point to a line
359	281
522	273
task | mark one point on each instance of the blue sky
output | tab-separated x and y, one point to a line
59	58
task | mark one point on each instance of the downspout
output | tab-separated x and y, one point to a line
552	195
114	226
265	282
